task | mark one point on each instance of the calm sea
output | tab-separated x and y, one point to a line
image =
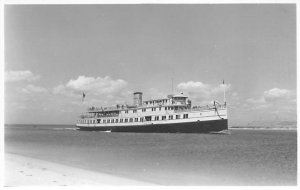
244	157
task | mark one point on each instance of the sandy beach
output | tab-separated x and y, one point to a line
26	171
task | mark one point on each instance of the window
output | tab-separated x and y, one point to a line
148	118
134	111
141	119
126	120
153	109
121	120
131	120
98	120
136	119
170	116
177	116
166	108
159	108
117	120
156	118
126	111
104	121
108	121
163	118
185	116
143	110
112	120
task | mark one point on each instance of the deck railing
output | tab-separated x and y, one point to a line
122	107
180	109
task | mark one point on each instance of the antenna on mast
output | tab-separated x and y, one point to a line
172	86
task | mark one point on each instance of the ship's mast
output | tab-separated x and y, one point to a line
172	86
224	89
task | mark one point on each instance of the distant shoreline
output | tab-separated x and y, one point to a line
264	128
12	124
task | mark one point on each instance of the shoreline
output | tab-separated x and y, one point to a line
27	171
264	128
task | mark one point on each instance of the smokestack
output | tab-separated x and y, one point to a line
137	98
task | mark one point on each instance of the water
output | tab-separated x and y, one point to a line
245	157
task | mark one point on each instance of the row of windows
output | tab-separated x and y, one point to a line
126	120
152	109
156	101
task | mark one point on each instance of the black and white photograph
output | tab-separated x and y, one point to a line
149	94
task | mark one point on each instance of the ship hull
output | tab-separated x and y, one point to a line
187	127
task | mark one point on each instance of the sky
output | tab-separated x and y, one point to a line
54	53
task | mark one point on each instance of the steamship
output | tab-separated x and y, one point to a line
174	114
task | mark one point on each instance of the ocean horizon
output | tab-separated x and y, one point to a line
257	127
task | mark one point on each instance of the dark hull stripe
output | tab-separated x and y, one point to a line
191	127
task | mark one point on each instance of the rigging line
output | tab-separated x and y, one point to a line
216	109
218	113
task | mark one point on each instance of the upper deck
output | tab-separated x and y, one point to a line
166	106
173	100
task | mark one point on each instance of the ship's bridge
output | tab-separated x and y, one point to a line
179	99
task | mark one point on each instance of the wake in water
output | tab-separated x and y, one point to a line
224	132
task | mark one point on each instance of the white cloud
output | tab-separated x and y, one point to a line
202	92
98	90
100	85
274	99
276	94
29	89
13	76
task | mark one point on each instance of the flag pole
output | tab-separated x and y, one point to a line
83	96
224	89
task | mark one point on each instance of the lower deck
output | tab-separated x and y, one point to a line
186	127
